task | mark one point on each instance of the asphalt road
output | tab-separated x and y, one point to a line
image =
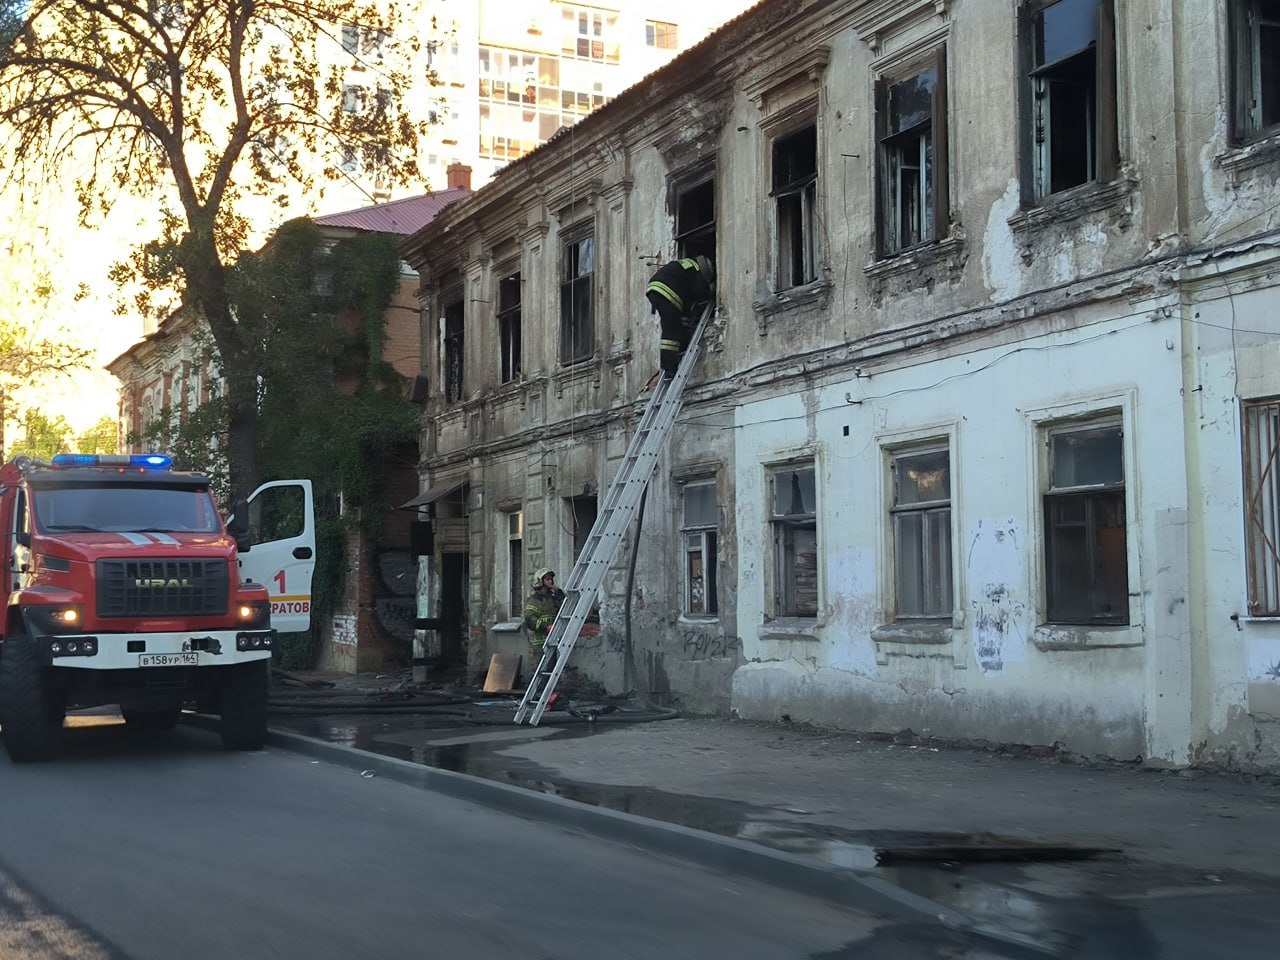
168	848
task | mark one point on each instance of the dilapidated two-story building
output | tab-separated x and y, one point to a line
984	439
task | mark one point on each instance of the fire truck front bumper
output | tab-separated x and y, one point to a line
132	651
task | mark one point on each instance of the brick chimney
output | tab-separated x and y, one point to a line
459	175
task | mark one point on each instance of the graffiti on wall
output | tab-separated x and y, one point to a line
994	564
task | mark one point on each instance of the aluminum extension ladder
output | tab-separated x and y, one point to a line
611	525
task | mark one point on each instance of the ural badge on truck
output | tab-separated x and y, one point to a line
126	587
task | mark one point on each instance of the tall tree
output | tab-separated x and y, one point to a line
214	107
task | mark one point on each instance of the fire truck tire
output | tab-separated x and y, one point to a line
244	706
30	714
165	718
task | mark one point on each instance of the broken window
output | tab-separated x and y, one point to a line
701	523
453	355
515	564
696	219
1086	558
509	327
1262	506
1255	47
1069	50
794	525
911	128
921	516
577	317
582	517
795	194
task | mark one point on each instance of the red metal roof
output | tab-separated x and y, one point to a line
403	217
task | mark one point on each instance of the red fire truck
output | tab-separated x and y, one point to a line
126	587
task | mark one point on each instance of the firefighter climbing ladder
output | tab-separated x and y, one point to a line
611	525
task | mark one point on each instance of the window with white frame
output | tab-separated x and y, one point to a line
699	531
509	327
515	563
590	34
1261	427
660	34
1255	61
921	518
577	307
911	130
794	523
795	195
1069	54
1086	551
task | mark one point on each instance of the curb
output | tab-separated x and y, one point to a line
847	886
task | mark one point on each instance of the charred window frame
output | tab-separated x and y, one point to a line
699	530
913	199
509	291
1261	453
1069	97
794	524
577	301
582	512
1086	539
695	216
515	563
1255	62
453	349
794	170
921	518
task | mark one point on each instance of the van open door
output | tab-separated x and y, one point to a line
282	550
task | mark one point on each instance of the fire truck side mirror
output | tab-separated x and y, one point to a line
238	525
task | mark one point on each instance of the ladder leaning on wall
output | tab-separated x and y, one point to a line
611	525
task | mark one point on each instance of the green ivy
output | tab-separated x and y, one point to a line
331	408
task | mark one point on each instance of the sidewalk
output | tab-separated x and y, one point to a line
1198	854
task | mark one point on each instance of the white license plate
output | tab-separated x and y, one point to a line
168	659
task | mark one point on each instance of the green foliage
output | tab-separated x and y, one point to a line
42	437
330	408
100	438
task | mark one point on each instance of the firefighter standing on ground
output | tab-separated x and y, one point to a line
541	608
675	292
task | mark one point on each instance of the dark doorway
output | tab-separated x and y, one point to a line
453	608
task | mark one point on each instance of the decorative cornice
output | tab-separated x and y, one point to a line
874	19
810	65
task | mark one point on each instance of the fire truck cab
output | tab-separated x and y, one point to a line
126	587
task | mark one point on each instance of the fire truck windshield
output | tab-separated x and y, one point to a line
119	508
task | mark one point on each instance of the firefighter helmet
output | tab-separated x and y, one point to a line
706	268
541	574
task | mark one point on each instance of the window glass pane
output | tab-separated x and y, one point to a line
794	492
937	572
923	477
695	574
909	560
1084	458
911	101
1064	28
700	505
800	571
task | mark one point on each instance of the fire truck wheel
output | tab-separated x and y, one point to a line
30	713
244	706
164	718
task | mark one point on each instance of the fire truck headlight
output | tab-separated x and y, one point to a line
253	614
64	619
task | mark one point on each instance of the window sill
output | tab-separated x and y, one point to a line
948	253
790	628
1073	204
1066	637
816	291
1244	157
508	626
907	632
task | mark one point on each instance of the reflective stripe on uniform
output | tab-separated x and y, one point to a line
668	344
660	288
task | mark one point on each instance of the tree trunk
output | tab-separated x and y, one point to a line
207	286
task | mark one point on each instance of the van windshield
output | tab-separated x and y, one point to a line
119	508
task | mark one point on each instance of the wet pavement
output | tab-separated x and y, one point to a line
1050	858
